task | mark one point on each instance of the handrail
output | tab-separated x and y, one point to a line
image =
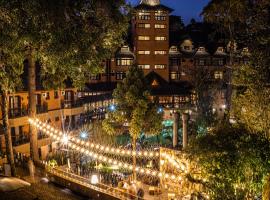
115	192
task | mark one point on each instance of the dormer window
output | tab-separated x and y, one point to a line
187	48
201	49
124	49
173	49
220	50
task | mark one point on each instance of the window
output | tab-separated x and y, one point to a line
218	75
142	25
159	52
175	75
142	52
220	62
123	61
160	38
174	62
201	62
160	15
159	66
96	77
47	96
187	48
144	66
183	74
120	75
143	38
160	26
144	15
56	96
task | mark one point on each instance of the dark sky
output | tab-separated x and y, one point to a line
188	9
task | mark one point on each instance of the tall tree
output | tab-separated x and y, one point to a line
66	37
11	67
228	14
134	110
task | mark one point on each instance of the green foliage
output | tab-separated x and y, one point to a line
233	162
266	191
70	39
133	107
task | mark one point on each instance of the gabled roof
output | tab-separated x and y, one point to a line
160	87
124	52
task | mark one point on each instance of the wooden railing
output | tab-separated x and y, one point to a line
106	189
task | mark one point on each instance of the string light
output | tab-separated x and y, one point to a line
52	132
99	147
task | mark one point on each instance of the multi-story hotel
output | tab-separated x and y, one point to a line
171	72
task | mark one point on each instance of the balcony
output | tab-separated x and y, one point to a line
17	112
20	141
42	108
71	104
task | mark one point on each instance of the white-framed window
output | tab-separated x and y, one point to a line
120	75
145	66
218	75
143	25
220	62
124	61
160	26
160	52
143	52
160	38
159	66
143	37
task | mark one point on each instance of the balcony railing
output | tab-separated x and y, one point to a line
42	108
71	104
20	141
17	112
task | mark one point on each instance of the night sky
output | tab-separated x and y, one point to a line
188	9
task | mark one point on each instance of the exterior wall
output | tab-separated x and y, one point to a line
152	44
52	106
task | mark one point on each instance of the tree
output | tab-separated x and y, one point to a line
233	162
134	110
228	15
70	38
11	65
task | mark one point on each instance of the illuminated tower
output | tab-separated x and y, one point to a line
151	37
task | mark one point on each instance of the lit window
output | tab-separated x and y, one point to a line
120	75
124	62
159	66
160	52
160	26
143	38
142	25
144	66
160	38
175	75
144	15
218	75
160	16
143	52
